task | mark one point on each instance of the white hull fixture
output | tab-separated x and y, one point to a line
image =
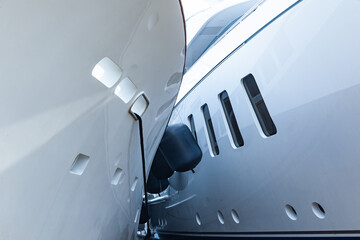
70	72
274	105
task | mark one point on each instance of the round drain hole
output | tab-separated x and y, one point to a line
235	216
220	217
290	211
318	210
197	216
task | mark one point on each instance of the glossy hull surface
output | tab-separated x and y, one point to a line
302	181
70	156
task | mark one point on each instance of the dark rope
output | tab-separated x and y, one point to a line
148	232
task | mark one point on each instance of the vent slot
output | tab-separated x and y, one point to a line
290	211
259	106
192	126
133	186
79	164
231	120
220	217
210	130
318	210
117	176
198	219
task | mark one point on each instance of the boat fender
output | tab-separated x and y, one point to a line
156	186
180	148
160	167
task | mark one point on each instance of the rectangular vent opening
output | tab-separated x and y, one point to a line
231	120
133	186
117	176
258	104
210	130
192	126
79	164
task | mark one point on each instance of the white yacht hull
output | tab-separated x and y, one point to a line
70	157
306	64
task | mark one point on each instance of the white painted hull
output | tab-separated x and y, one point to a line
53	109
305	62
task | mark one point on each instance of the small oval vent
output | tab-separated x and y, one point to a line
80	163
